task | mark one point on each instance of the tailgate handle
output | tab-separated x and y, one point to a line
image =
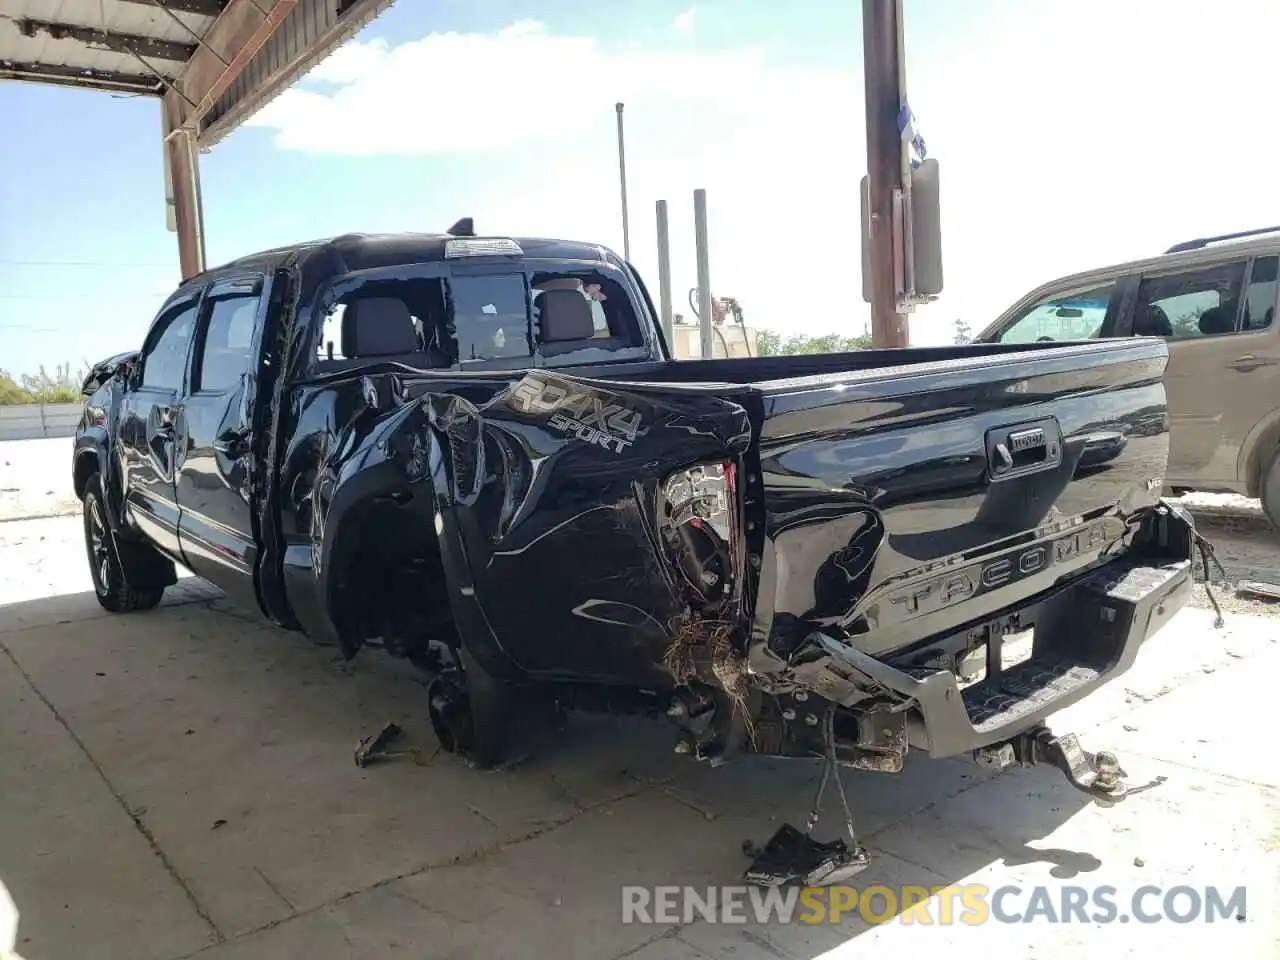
1024	448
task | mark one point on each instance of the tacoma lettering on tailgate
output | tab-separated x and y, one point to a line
955	586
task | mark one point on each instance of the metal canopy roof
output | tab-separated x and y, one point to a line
124	46
223	58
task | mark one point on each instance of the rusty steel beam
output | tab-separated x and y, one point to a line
105	40
182	165
226	49
203	8
80	77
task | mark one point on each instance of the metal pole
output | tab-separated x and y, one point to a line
622	176
704	271
882	74
664	275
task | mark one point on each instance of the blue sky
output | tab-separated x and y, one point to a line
1070	135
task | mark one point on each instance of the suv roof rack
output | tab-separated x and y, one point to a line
1205	241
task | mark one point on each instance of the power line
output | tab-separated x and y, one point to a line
82	296
84	263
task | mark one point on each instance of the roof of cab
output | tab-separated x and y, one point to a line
363	251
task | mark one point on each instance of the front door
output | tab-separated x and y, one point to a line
213	437
147	429
1219	342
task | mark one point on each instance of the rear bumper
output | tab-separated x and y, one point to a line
1086	634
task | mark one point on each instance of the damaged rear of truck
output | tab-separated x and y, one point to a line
858	555
501	474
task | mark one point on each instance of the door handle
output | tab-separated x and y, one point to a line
1247	362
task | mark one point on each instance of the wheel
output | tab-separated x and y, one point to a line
111	581
1271	490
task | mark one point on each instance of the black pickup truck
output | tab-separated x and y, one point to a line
477	453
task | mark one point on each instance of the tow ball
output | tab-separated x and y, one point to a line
1097	774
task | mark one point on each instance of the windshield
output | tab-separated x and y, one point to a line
1075	316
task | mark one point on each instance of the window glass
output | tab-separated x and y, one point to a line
225	355
166	361
1186	306
1070	316
331	335
562	319
368	333
1260	298
490	317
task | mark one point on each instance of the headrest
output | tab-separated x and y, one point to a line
1216	320
378	327
1151	321
564	315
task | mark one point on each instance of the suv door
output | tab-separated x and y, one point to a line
147	425
213	438
1222	376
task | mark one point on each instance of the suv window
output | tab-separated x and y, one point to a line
1189	305
166	362
1066	316
224	352
1260	298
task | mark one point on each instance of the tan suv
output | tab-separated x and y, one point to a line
1214	301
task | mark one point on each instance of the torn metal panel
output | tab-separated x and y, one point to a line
548	470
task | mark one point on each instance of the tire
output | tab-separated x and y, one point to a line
1271	491
111	581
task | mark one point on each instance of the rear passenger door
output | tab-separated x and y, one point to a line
1222	375
213	435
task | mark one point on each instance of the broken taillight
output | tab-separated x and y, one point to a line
699	526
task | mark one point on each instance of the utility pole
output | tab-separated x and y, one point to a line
884	77
622	177
704	273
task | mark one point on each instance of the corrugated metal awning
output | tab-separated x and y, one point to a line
130	46
311	31
146	47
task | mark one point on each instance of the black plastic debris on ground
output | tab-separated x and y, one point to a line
374	748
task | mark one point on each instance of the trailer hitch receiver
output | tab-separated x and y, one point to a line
1097	774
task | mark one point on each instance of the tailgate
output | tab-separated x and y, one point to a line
903	502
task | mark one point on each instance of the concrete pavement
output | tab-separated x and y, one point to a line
180	783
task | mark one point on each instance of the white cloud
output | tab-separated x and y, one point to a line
457	93
684	23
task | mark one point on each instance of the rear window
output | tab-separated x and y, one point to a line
471	317
490	317
505	316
